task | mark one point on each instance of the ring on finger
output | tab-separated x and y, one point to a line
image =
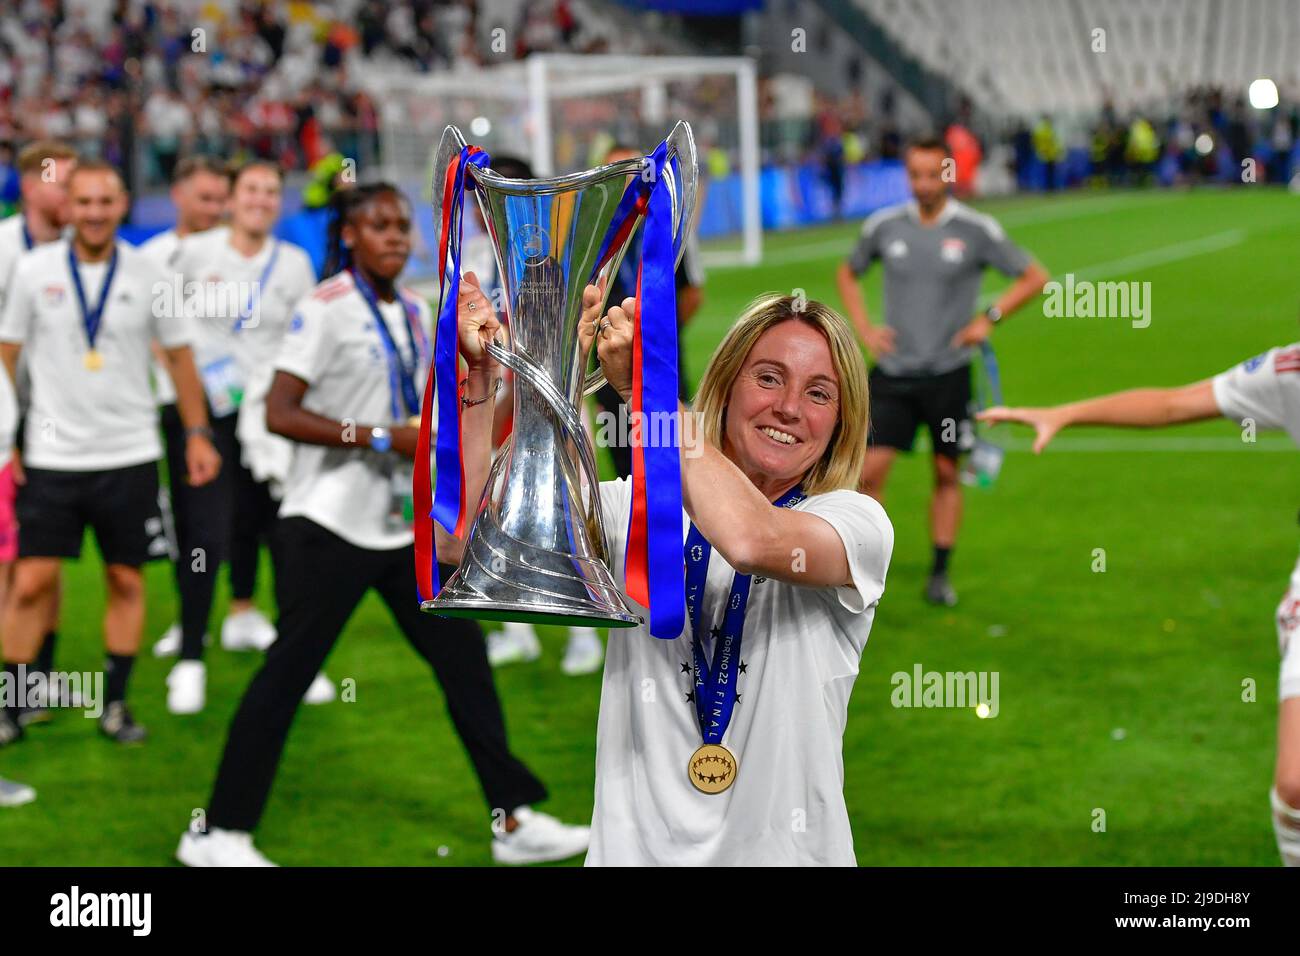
472	305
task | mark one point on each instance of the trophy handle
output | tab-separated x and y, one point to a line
684	188
449	147
594	383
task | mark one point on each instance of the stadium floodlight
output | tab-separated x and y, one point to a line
563	111
1263	94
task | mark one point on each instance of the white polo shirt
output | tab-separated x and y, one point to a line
798	660
333	345
1265	389
82	419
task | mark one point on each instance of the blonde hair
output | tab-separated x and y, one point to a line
841	464
33	156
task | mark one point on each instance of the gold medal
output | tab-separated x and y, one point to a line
93	361
712	768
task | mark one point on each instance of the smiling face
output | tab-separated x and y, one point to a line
255	200
783	406
98	203
379	234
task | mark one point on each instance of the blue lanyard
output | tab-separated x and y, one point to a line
255	296
92	318
27	234
715	687
990	390
401	374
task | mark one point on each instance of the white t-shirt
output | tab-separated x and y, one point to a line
82	419
11	247
333	345
799	658
242	351
162	249
1265	389
8	418
221	286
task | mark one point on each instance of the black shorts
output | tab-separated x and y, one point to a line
899	403
120	504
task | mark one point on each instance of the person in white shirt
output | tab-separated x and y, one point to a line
735	757
1264	392
43	168
347	384
200	190
12	793
241	283
84	313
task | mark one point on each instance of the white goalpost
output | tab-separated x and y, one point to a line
562	112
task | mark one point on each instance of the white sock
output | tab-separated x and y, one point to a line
1286	826
580	632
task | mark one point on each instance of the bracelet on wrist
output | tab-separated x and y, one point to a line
199	431
470	403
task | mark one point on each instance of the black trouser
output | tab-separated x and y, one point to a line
223	520
254	517
319	581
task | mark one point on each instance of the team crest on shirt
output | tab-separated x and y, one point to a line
896	249
295	323
53	294
952	250
1252	364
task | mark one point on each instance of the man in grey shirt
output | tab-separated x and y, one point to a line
935	251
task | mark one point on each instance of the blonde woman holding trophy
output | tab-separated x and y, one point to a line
723	744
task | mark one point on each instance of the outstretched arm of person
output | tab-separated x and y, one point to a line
1136	408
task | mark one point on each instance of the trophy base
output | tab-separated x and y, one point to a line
526	614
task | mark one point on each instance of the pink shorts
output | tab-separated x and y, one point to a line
8	520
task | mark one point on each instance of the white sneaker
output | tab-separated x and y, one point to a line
220	848
321	691
169	645
584	653
187	687
516	643
247	631
539	838
14	794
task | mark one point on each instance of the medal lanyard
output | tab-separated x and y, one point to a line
255	294
715	687
401	375
27	234
92	318
990	389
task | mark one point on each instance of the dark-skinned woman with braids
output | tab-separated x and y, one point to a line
347	384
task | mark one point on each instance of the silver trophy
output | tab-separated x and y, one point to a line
537	548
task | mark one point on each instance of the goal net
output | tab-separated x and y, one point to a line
563	112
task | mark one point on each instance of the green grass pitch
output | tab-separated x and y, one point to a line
1119	691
